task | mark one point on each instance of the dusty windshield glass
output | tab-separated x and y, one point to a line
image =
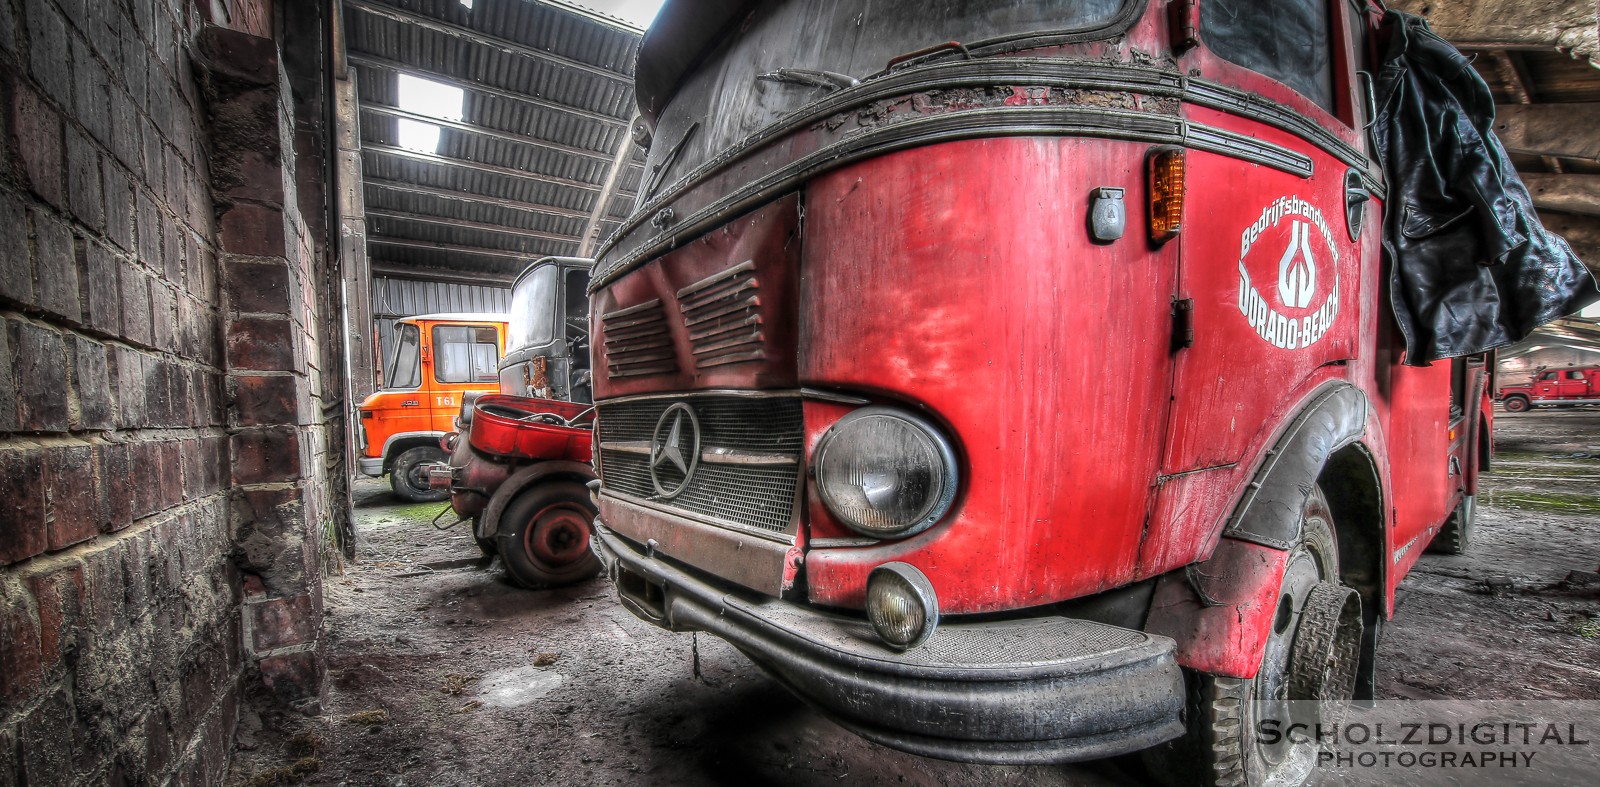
1287	40
533	307
465	354
791	54
404	367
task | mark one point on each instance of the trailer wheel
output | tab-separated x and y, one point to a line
1312	653
544	535
408	476
1516	404
1455	538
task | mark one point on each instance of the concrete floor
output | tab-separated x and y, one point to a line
443	674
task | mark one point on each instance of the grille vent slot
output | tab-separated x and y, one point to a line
637	342
722	315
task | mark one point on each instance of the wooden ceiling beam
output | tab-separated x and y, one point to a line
1565	130
1578	194
1565	25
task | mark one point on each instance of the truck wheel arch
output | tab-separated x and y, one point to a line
488	524
401	443
1220	610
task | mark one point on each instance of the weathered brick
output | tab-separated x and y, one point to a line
293	677
48	49
256	286
22	506
56	263
8	735
171	473
47	740
21	667
218	460
92	381
259	344
102	298
91	92
70	490
157	392
281	622
125	130
172	248
136	325
163	317
37	131
39	363
8	385
103	570
118	192
117	484
265	455
59	596
84	180
146	475
16	264
264	401
131	411
149	221
254	229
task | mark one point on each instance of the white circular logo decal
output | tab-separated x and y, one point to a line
1281	243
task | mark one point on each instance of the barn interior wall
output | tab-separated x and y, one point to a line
166	467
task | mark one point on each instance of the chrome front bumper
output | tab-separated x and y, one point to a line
1039	690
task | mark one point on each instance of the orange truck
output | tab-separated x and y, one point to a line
437	361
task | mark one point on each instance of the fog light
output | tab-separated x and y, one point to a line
901	605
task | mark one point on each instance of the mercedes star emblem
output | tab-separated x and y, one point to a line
675	445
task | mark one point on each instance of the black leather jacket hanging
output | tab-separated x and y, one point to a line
1472	267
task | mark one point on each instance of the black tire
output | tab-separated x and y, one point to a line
408	475
544	535
1221	747
1455	538
1516	404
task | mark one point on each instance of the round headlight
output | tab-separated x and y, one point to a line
901	605
885	473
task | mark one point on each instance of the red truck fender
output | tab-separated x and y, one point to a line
1220	610
489	523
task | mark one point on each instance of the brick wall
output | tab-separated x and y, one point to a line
158	525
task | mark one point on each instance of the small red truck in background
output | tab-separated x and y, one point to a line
1554	388
519	459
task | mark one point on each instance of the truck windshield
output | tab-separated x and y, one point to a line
533	306
1287	40
404	368
769	69
465	354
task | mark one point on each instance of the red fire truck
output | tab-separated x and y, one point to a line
1554	388
1016	381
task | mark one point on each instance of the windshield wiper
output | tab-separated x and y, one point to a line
827	80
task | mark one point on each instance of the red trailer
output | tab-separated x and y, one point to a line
1016	381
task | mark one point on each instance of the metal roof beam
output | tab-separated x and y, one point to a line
453	248
430	158
473	225
468	196
504	45
385	64
398	270
488	131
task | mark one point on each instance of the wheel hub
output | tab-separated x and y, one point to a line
559	534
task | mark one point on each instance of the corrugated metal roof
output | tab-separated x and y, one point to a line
548	97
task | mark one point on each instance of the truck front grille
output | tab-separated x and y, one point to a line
751	452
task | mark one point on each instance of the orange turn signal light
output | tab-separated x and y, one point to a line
1164	171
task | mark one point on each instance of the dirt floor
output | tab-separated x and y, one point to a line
443	674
